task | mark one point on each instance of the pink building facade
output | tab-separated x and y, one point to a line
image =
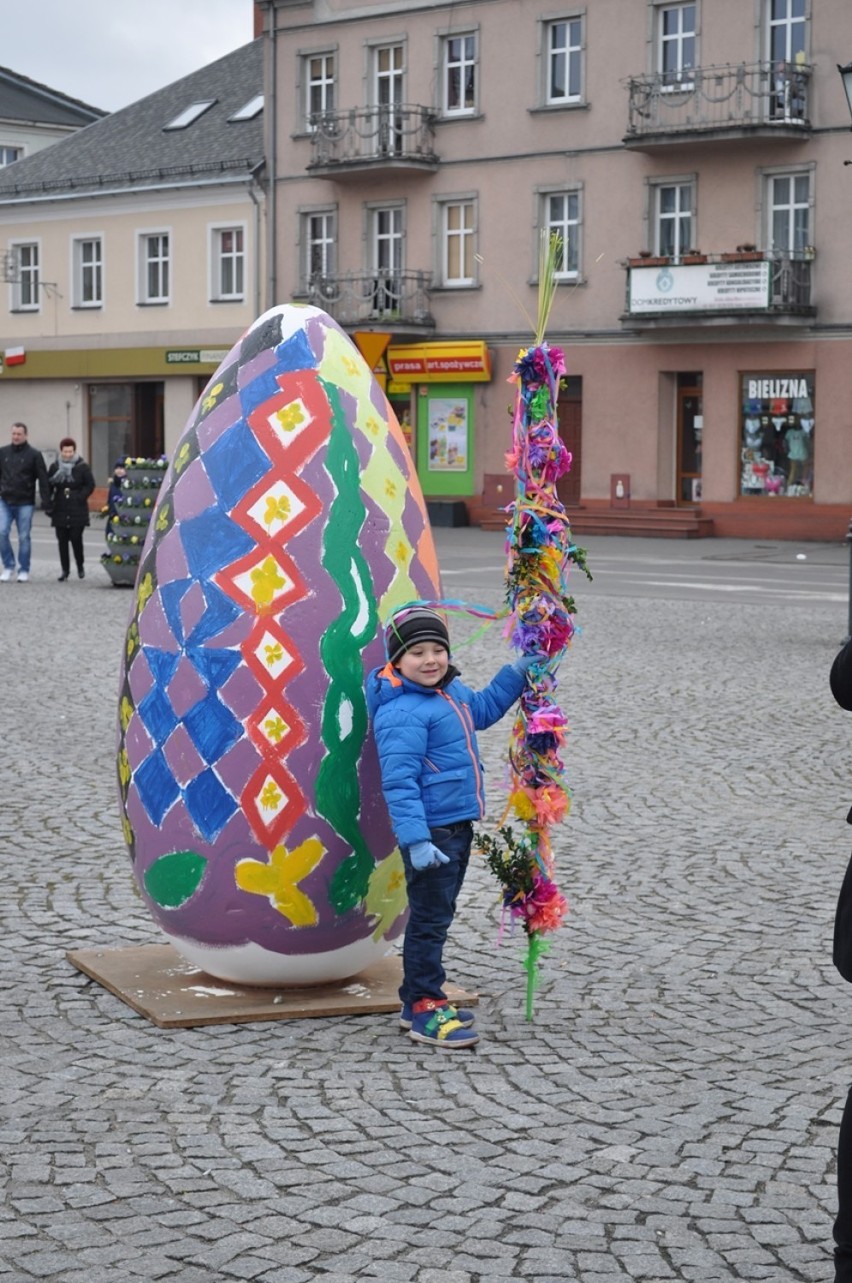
689	155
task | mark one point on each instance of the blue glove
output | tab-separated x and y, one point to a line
524	663
425	855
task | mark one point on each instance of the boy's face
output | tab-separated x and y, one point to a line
425	663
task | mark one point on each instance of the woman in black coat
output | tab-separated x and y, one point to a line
71	482
841	689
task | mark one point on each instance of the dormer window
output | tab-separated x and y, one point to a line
252	108
190	114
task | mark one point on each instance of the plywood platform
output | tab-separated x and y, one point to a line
157	982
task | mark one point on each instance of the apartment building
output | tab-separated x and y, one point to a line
33	116
132	260
689	155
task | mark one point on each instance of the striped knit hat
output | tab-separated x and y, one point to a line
413	625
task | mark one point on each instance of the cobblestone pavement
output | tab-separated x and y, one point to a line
672	1111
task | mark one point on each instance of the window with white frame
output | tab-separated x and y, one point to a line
786	31
458	242
387	257
8	154
26	295
564	61
674	212
459	74
676	44
319	239
561	214
88	267
789	209
388	97
319	75
154	263
228	260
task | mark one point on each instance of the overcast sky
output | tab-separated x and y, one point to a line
110	53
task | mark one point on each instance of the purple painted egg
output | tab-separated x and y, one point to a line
289	524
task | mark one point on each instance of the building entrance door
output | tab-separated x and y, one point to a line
570	415
690	426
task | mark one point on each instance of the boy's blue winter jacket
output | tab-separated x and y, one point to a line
426	738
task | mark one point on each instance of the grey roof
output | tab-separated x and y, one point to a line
130	148
27	102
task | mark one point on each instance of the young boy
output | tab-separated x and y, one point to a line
424	721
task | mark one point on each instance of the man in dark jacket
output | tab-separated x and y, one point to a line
21	467
841	689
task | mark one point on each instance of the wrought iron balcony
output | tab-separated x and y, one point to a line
372	138
400	298
764	99
748	288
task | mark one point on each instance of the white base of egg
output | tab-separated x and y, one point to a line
250	964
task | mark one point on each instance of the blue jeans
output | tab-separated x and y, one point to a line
432	895
22	515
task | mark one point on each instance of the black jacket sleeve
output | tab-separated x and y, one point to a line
41	477
841	677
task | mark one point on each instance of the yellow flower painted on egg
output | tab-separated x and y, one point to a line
277	509
291	416
266	581
210	400
182	457
125	712
279	879
386	896
275	728
274	653
270	797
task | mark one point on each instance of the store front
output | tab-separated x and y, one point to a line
777	434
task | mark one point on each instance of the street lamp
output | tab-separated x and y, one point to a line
846	77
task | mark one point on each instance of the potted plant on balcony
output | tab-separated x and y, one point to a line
745	253
646	259
692	256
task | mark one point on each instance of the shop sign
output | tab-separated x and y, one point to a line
195	356
701	287
468	362
777	432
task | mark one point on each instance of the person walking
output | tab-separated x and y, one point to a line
71	483
841	689
21	469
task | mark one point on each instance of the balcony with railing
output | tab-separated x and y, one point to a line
743	288
749	100
391	298
345	143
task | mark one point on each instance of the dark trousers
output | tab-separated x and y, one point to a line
66	535
432	896
843	1224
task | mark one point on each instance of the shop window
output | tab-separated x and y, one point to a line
777	430
459	60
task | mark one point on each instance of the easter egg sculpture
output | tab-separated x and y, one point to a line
289	524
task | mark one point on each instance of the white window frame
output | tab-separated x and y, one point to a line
680	76
8	159
146	260
387	276
220	257
461	58
26	290
791	206
676	217
320	91
573	43
318	227
569	227
463	236
91	270
786	24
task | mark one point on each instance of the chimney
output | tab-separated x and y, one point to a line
258	20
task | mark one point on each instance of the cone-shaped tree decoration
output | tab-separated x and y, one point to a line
540	552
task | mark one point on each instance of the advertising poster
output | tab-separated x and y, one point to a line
448	435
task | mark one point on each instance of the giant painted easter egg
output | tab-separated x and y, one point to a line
289	524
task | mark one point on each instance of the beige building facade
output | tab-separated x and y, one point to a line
690	156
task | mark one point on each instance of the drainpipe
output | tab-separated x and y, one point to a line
270	111
254	181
